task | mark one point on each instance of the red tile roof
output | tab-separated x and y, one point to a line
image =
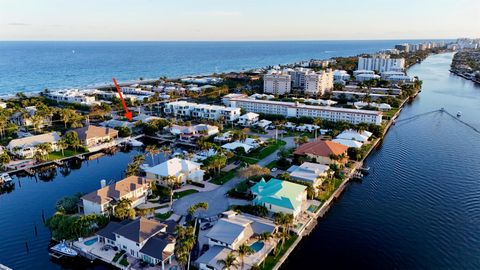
321	148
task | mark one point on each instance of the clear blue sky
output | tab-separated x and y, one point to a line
237	19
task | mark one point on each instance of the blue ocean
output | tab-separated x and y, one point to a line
34	66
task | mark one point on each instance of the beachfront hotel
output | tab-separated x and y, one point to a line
212	112
296	109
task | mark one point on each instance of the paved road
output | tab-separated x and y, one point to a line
217	199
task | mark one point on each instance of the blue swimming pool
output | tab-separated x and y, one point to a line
257	246
90	241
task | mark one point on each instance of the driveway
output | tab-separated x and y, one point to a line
217	200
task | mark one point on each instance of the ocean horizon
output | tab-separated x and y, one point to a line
32	66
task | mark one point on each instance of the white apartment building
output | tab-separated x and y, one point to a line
296	109
298	76
319	83
277	83
381	63
70	96
212	112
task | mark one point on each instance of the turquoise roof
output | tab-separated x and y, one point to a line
277	192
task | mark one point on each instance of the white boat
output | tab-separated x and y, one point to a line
63	249
134	142
5	177
459	113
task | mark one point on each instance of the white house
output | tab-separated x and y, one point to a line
229	233
26	147
248	119
264	124
182	169
351	134
224	137
348	143
248	145
144	239
311	173
104	199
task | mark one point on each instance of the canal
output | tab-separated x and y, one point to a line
22	232
420	206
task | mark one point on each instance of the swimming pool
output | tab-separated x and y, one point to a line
312	208
257	246
90	241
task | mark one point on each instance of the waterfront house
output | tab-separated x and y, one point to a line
182	169
310	173
26	147
193	132
348	143
230	232
280	196
351	134
248	119
323	152
104	200
144	239
92	135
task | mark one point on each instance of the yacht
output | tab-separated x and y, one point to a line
63	249
5	177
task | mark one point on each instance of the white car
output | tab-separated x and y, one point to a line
273	169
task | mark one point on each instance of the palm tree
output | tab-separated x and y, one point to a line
185	242
62	145
165	150
152	150
171	181
229	262
244	250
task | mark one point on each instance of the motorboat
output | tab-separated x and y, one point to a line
5	177
63	249
134	143
459	113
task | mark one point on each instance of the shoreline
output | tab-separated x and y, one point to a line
325	207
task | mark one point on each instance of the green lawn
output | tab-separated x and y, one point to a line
272	164
223	177
180	194
272	260
66	153
163	216
264	152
